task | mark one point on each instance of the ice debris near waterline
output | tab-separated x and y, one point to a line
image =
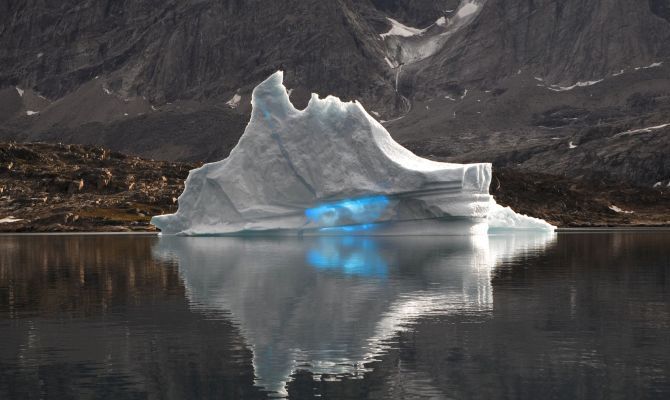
331	169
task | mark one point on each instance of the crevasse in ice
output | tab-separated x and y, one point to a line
330	169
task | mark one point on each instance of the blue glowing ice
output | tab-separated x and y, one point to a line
350	228
348	255
359	213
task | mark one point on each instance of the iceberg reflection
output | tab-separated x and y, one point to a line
352	256
331	304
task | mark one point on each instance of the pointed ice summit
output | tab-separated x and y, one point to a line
330	169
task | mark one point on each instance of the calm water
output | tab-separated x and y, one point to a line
568	316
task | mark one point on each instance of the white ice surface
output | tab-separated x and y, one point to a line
328	169
504	218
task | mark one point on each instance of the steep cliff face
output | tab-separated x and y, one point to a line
419	13
168	50
562	42
99	64
454	78
548	85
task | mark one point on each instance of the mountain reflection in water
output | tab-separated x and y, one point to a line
329	305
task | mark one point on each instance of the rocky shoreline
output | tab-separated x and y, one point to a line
73	188
586	203
70	188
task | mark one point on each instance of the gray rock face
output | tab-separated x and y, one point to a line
419	13
660	8
561	41
148	76
168	50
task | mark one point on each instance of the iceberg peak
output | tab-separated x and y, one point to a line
328	169
271	94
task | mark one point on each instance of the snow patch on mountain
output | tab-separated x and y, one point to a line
653	65
417	44
399	29
580	84
619	210
234	102
642	130
468	9
558	88
9	220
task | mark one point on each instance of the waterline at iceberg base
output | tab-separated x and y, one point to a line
332	169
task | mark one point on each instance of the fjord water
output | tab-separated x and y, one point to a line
526	316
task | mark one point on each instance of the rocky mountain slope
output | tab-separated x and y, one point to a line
579	88
55	187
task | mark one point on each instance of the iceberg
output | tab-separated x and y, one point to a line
330	169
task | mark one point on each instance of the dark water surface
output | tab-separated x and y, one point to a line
568	316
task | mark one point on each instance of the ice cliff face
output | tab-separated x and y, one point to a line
328	169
